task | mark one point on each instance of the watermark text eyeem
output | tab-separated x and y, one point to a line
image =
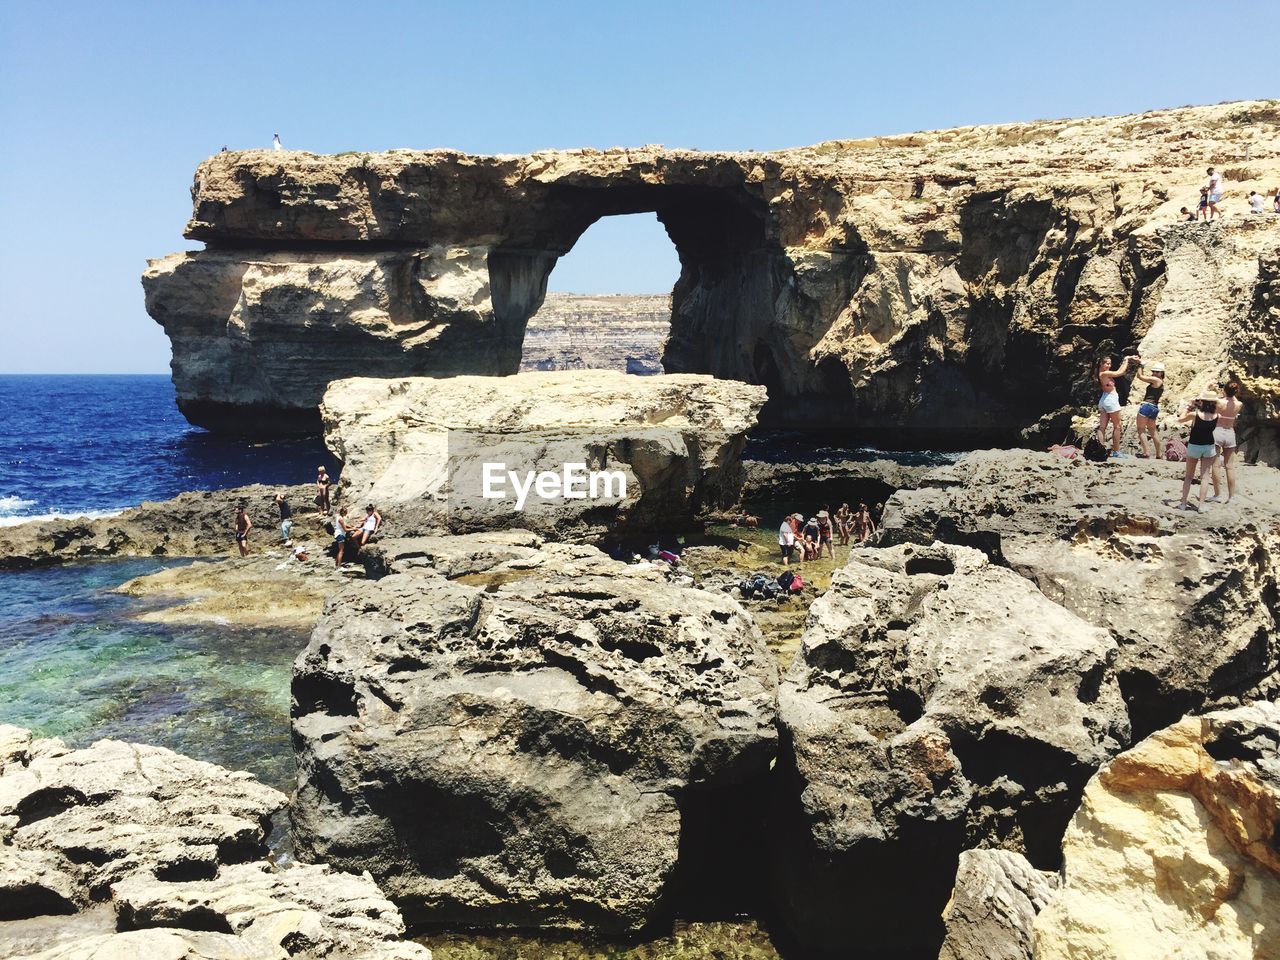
573	482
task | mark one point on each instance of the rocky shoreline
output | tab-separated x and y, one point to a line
605	748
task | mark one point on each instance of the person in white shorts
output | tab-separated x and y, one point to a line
1215	193
1224	435
1109	402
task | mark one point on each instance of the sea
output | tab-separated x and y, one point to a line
74	445
75	660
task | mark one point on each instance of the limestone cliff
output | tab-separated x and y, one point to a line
951	286
574	331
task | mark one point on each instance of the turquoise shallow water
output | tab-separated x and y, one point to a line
75	664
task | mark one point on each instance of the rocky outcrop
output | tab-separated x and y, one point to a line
420	449
197	524
1173	852
993	906
948	287
176	847
1191	598
937	702
574	331
571	743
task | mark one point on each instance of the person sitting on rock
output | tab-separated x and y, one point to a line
372	523
1187	215
1257	204
1150	409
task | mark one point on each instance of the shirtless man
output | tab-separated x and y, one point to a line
243	526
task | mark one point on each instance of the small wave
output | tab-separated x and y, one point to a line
13	521
10	505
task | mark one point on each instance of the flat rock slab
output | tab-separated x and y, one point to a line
418	448
1190	597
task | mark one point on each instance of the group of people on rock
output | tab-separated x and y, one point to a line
1211	196
345	530
802	540
1212	417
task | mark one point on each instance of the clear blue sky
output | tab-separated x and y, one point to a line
105	109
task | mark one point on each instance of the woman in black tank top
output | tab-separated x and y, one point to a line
1202	414
1150	408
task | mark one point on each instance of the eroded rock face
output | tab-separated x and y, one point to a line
418	448
1173	851
542	751
994	905
937	702
1191	598
172	848
950	286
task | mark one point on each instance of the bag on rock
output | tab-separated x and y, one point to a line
1175	449
1095	451
785	579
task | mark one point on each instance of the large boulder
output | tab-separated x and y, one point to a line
535	749
1174	852
125	850
937	702
1190	597
420	449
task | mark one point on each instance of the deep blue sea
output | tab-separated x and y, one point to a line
96	444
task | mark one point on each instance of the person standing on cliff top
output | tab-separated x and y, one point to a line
243	526
275	142
1215	192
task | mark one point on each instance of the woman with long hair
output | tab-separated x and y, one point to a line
1224	435
1150	409
1202	414
1109	402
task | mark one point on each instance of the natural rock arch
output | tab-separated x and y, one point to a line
941	289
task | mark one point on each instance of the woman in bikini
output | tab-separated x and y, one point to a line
1224	435
1109	402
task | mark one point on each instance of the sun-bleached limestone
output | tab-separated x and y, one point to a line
1172	854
